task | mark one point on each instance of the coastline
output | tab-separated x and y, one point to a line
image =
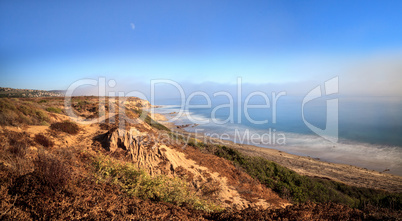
348	174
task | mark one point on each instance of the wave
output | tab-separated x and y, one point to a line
371	156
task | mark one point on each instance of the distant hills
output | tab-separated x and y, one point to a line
11	92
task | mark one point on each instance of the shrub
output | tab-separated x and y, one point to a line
155	124
65	126
6	104
8	115
14	148
41	116
54	110
18	143
138	183
80	105
289	184
51	171
149	120
18	149
27	110
17	112
43	140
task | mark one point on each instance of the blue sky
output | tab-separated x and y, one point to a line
50	44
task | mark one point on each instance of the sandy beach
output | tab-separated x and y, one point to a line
348	174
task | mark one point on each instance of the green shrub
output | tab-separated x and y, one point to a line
176	136
139	184
6	104
16	112
155	124
54	110
27	110
41	116
66	126
149	120
80	105
289	184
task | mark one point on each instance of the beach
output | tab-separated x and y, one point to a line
348	174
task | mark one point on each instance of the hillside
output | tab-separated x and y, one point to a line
124	167
12	92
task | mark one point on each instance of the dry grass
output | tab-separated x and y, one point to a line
61	184
15	148
54	110
51	171
18	143
140	184
17	112
43	140
66	126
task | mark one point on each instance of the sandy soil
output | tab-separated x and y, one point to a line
207	172
347	174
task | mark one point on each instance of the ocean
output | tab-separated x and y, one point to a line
368	130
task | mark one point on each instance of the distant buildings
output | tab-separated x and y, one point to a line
11	92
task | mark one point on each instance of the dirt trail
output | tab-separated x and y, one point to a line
347	174
203	172
206	173
209	176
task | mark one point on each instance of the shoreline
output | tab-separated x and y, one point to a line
344	173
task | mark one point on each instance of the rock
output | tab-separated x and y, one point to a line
118	139
134	142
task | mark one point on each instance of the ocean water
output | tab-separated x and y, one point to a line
369	129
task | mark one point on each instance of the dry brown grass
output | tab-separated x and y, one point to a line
60	184
66	126
51	171
15	153
17	143
43	140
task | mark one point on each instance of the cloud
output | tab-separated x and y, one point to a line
378	75
132	25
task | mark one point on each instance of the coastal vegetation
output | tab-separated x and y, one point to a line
54	110
59	170
149	120
138	183
300	189
14	112
65	126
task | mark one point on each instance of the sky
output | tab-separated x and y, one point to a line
285	45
